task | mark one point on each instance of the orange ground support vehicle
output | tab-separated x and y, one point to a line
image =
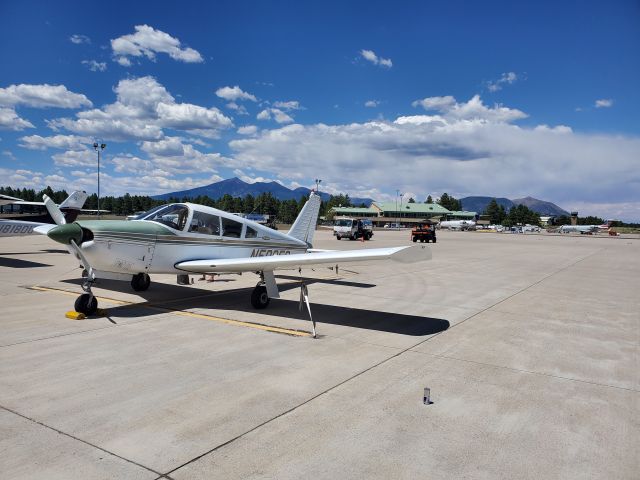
423	232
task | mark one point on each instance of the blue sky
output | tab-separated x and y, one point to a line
492	98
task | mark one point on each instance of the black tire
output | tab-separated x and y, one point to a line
434	240
87	304
338	237
367	237
259	297
415	239
140	282
352	237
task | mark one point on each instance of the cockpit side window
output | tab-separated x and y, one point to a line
174	216
231	228
205	223
251	233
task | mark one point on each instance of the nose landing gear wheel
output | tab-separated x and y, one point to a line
259	297
87	304
140	282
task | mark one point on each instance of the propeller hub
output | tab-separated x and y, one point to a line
65	233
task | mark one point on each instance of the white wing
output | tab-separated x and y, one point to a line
416	253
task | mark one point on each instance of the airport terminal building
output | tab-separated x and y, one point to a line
382	213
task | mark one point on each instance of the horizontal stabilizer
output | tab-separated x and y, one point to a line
412	254
75	201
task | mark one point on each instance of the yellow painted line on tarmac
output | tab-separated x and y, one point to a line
237	323
75	294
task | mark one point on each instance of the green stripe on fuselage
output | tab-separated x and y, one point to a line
126	226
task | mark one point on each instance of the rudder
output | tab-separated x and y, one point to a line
305	225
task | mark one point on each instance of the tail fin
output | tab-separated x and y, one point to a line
305	225
75	200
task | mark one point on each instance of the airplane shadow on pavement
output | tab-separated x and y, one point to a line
179	298
18	263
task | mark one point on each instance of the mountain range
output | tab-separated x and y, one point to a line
478	204
237	188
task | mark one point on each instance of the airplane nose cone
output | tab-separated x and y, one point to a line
65	233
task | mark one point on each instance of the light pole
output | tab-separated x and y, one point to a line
397	193
318	182
401	195
102	147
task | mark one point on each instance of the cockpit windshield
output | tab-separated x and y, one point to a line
174	216
143	215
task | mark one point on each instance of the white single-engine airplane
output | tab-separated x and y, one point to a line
24	224
585	229
458	225
184	238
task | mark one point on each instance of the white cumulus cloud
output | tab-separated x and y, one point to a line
604	103
75	158
167	147
248	130
474	109
64	142
186	116
289	105
79	39
276	114
234	93
464	149
143	108
370	56
9	120
95	66
372	103
42	96
507	78
147	41
239	109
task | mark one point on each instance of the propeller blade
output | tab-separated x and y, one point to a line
54	211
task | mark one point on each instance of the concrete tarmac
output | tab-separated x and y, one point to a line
529	343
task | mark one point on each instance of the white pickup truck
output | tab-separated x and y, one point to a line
353	228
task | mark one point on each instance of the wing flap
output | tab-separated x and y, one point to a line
412	254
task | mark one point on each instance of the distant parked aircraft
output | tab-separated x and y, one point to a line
585	229
458	225
20	223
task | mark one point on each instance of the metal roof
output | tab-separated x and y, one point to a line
355	210
429	208
462	213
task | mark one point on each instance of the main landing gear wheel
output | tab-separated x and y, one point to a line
259	297
87	304
140	282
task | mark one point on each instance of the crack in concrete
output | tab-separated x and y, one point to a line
161	475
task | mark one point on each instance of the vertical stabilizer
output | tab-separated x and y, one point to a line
305	225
